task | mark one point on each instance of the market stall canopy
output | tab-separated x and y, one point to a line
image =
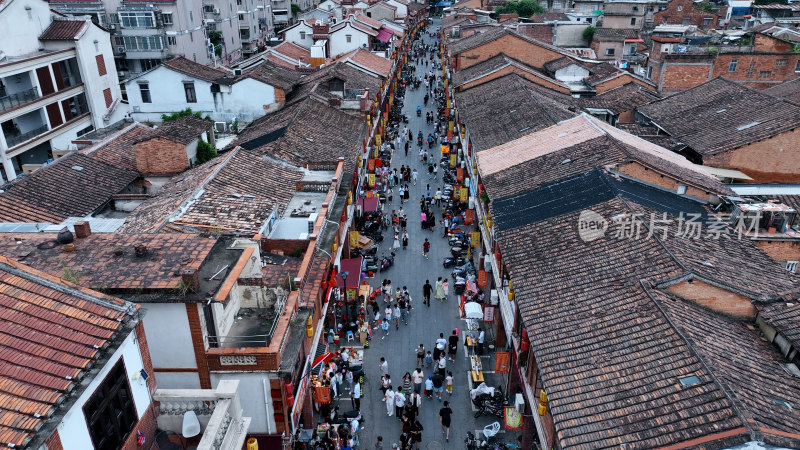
371	204
353	267
323	358
473	310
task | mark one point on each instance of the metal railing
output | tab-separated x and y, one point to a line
20	138
19	98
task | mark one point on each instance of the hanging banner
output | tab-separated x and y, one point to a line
463	194
377	142
512	418
501	361
488	315
474	238
453	157
353	239
371	180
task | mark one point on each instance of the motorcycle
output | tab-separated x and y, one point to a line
386	263
419	111
488	400
452	262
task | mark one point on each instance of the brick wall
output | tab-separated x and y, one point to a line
751	69
773	160
781	250
625	78
285	246
696	16
715	298
145	352
54	442
512	46
196	330
160	156
650	176
601	47
678	77
264	361
511	69
146	425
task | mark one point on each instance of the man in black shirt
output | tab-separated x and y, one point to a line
426	292
438	385
452	348
444	419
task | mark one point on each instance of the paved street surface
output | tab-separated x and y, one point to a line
425	323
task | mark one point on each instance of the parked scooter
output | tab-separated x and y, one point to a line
386	262
452	262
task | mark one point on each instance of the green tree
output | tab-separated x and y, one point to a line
182	113
707	6
205	152
523	8
295	10
588	33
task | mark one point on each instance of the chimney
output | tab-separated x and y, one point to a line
82	229
140	250
191	278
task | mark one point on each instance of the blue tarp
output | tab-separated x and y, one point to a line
444	4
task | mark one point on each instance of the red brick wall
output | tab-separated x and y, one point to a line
512	46
773	160
640	172
677	77
619	81
147	425
264	361
779	65
511	69
160	156
672	16
286	246
716	299
54	442
145	352
199	347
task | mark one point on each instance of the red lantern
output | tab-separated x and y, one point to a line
288	387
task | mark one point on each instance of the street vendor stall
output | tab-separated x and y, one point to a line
346	308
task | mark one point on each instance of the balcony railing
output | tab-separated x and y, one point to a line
18	98
20	138
219	412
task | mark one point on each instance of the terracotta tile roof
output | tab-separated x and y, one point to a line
789	90
560	63
275	75
414	7
74	185
585	143
280	61
785	318
613	374
746	364
476	40
242	194
191	68
548	17
183	130
507	108
117	149
64	30
623	98
54	336
369	21
306	132
724	116
540	32
369	60
495	63
293	51
278	268
96	265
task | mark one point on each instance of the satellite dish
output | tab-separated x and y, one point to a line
191	425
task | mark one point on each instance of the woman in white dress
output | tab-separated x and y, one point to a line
388	397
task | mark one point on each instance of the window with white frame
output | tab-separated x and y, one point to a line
791	266
349	37
137	19
140	43
167	18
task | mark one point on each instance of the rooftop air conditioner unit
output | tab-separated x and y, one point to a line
312	219
120	49
219	127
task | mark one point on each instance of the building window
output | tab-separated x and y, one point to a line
167	18
303	35
110	412
732	65
680	7
133	19
649	72
241	18
349	37
765	74
797	67
780	62
633	50
148	64
609	52
191	18
144	90
556	5
685	21
143	43
707	21
633	20
191	95
172	40
101	65
791	266
239	2
208	9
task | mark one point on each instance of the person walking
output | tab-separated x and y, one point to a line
385	328
448	382
383	367
420	355
442	364
429	386
446	288
348	380
388	397
405	240
396	314
356	398
439	295
418	378
396	243
401	193
406	193
444	419
399	402
426	247
408	384
438	385
427	289
414	176
481	337
452	346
